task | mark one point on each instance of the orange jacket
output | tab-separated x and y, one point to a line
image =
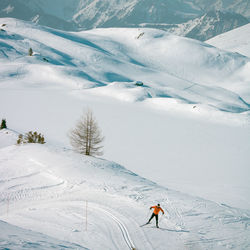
157	209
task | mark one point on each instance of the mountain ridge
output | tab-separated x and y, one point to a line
82	15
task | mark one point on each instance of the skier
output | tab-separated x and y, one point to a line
157	209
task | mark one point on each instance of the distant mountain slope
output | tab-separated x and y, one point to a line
237	40
22	10
126	13
79	14
238	6
202	28
210	25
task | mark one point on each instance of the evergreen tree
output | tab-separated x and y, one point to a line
3	124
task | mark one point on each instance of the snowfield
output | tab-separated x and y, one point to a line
47	189
174	112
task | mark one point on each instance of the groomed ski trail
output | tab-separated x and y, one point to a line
122	227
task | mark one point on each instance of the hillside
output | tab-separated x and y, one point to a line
234	41
209	25
99	69
175	116
114	60
48	195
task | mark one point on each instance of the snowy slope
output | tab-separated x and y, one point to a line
238	6
186	128
237	40
209	25
114	60
48	195
12	237
188	86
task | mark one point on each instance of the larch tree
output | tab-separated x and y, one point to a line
86	137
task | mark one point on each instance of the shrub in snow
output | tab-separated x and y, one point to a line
140	35
139	83
30	52
31	137
3	124
86	137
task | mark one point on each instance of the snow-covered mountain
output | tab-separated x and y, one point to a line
79	14
238	6
111	60
236	40
174	112
24	11
209	25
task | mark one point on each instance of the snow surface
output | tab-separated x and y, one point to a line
52	191
186	128
237	40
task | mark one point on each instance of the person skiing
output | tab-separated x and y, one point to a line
155	213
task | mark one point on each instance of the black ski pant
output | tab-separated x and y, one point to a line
156	218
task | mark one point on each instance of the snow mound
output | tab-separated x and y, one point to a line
169	66
7	137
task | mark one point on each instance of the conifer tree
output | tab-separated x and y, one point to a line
3	124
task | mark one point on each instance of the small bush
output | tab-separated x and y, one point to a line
30	137
30	52
3	124
139	83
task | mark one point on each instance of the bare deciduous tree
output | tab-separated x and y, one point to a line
86	137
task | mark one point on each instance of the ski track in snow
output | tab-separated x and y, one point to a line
25	193
122	227
39	193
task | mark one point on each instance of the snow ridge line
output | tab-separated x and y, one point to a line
122	227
